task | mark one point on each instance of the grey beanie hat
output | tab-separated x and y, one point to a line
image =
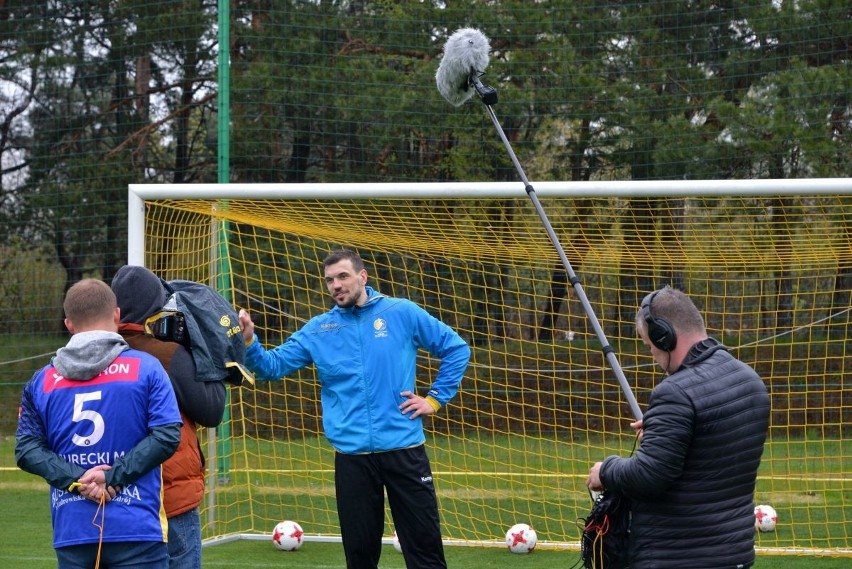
140	293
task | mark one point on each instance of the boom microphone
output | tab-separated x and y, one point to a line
465	59
464	62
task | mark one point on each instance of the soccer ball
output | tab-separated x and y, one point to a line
521	538
396	544
287	535
765	518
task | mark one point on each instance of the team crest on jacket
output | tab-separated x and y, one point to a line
380	327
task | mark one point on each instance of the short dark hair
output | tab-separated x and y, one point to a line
343	254
89	301
676	308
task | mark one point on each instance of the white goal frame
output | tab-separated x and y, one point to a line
138	194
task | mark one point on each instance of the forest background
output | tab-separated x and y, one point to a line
99	94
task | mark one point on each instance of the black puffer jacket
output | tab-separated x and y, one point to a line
692	478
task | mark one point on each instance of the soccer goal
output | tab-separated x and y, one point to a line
769	263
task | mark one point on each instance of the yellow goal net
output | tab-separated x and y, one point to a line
769	263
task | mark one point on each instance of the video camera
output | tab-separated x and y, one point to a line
169	324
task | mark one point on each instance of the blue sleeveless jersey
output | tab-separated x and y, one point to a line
95	422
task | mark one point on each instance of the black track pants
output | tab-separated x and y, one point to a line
361	481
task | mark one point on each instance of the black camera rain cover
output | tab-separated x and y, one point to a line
215	336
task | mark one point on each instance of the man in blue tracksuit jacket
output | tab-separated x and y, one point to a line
364	350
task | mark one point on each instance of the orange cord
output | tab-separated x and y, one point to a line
102	509
597	546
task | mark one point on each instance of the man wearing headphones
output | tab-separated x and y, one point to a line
691	480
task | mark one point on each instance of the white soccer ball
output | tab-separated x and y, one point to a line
287	535
521	538
396	544
765	518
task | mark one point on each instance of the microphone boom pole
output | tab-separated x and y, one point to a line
488	95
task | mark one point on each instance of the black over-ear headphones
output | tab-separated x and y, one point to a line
660	332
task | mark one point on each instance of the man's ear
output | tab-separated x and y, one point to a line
69	325
117	316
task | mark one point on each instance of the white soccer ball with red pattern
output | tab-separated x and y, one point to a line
765	518
287	535
521	538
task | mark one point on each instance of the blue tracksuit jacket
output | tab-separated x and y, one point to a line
364	357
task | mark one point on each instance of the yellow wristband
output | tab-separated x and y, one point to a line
433	402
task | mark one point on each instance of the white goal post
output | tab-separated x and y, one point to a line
138	193
730	308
